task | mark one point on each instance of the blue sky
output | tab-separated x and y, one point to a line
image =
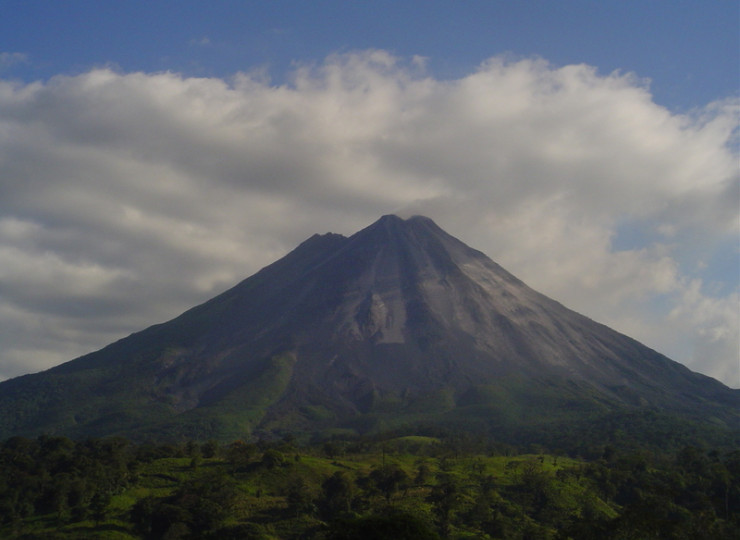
153	154
688	49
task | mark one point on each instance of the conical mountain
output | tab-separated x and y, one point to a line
400	324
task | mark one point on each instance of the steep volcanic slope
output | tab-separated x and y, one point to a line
398	323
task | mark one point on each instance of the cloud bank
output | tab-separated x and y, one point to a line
126	198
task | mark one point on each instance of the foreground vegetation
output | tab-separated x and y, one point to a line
403	488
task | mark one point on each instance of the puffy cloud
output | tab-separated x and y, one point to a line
129	197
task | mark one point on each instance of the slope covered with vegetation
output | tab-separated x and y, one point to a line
403	487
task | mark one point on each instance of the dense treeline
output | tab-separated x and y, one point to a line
405	487
59	477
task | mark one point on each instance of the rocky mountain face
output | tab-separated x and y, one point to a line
400	324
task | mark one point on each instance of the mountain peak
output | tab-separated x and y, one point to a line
389	224
417	231
390	218
393	220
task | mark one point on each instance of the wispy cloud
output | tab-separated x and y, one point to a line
129	197
203	41
9	59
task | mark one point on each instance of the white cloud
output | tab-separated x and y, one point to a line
129	197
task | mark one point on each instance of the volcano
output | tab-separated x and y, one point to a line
396	326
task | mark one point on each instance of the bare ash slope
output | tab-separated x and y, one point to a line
411	308
344	327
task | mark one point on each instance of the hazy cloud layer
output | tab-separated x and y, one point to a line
127	198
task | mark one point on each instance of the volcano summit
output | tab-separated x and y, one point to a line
398	325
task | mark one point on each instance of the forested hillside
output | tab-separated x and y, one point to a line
409	487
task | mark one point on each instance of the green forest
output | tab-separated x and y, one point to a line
394	487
